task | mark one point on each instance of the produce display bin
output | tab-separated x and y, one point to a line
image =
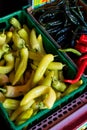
50	47
28	8
69	42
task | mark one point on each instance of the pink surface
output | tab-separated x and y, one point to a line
73	121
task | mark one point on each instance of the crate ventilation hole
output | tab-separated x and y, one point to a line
61	113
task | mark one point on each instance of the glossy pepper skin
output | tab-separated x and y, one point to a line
73	87
22	66
59	28
80	72
81	44
83	57
9	58
71	50
83	39
81	48
37	92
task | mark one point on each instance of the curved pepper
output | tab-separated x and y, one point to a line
69	14
24	35
18	90
18	41
37	92
34	45
81	44
9	58
80	72
46	60
40	41
58	85
73	87
71	50
22	66
80	60
83	39
81	48
20	109
55	66
48	79
24	116
4	49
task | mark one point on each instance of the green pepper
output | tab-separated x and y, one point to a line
71	50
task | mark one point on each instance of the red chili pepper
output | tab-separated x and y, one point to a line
81	48
83	39
80	72
84	57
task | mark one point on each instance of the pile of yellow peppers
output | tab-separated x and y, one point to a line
30	79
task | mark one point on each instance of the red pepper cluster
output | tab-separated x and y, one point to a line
81	66
81	45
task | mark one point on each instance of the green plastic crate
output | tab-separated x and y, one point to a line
50	47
